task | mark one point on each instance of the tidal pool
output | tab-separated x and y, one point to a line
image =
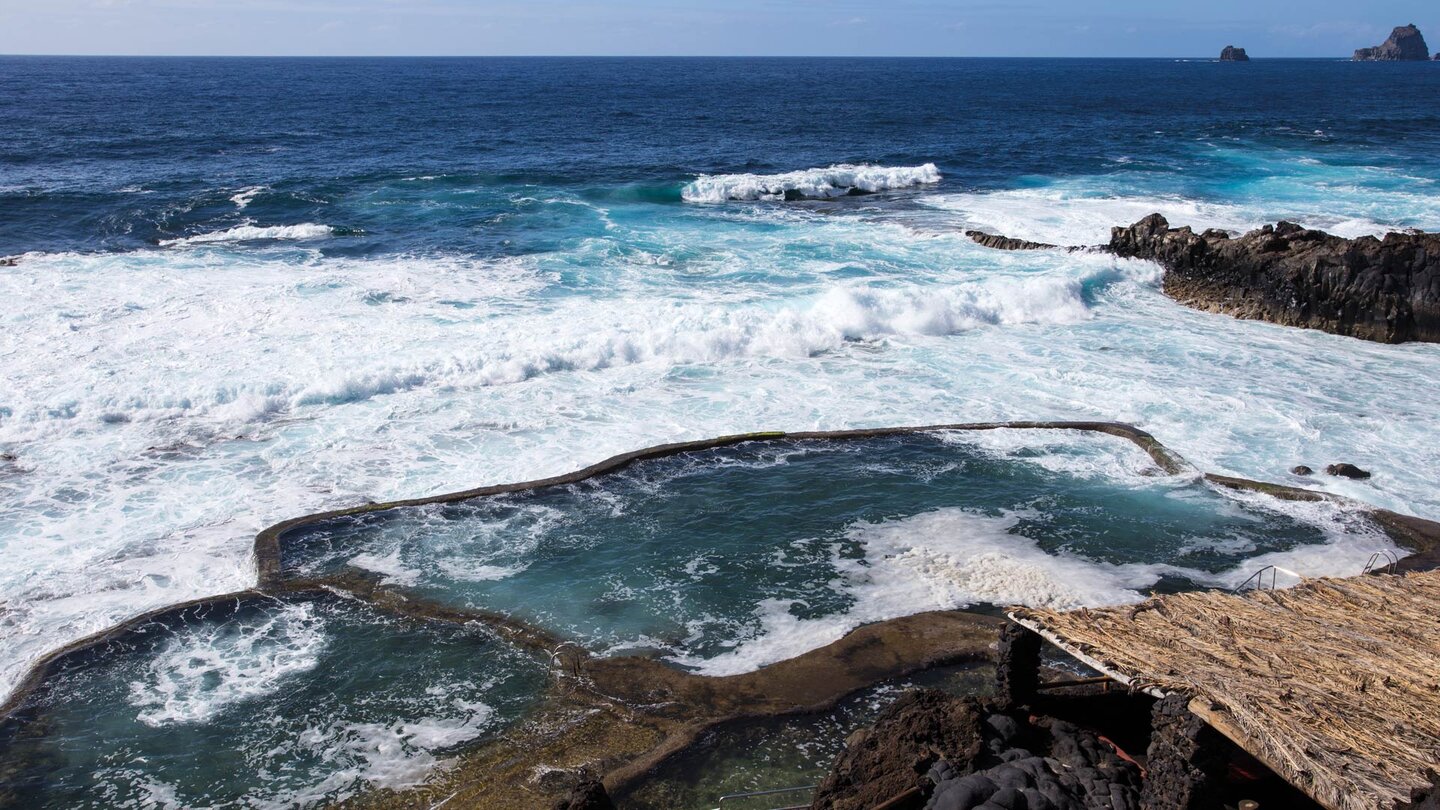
261	703
727	559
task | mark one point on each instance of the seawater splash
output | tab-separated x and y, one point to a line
835	181
683	555
223	385
265	703
206	670
254	233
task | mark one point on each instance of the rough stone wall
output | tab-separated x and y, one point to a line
1186	763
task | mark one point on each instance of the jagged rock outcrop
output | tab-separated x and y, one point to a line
998	242
1347	470
942	752
1386	290
1405	44
1234	54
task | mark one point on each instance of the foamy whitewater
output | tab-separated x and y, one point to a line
508	271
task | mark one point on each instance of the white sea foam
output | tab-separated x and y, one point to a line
245	196
254	233
163	406
835	181
394	755
940	560
389	566
207	669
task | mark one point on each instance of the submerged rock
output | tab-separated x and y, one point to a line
1383	290
1405	44
1234	54
1301	469
1347	471
588	794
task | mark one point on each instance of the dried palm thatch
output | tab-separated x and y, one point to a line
1335	684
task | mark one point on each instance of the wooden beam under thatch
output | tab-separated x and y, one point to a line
1334	684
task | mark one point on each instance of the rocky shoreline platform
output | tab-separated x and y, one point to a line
1385	290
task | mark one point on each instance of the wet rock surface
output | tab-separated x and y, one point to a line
997	242
588	794
941	752
1406	44
1386	290
1301	469
1345	470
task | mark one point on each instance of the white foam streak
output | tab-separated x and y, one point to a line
835	181
245	196
940	560
254	233
207	669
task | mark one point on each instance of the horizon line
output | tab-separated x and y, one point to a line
637	56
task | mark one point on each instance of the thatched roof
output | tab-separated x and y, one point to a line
1335	684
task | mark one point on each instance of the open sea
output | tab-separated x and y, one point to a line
249	289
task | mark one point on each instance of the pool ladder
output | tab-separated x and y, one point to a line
730	797
1384	560
1260	582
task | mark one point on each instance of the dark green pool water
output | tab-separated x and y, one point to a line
262	704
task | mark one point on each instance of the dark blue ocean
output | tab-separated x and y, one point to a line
240	290
117	154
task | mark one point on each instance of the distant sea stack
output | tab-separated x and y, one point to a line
1234	54
1405	44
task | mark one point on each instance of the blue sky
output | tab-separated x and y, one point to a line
720	27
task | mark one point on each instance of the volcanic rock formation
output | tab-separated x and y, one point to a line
960	753
1234	54
1386	290
1404	45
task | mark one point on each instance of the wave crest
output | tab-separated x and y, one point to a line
835	181
251	233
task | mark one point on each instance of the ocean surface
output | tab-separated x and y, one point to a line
248	289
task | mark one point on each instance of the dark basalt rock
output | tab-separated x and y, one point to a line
894	756
589	794
1344	470
1383	290
8	261
1301	470
998	242
1186	759
941	752
1405	44
1234	54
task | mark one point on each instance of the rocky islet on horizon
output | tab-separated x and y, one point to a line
1406	44
1234	54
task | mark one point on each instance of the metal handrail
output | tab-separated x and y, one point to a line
1259	578
772	792
1391	562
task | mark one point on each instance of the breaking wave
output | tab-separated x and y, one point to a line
835	181
252	233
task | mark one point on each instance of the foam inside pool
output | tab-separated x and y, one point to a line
728	559
261	703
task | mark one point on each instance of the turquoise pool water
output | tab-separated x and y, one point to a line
728	559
